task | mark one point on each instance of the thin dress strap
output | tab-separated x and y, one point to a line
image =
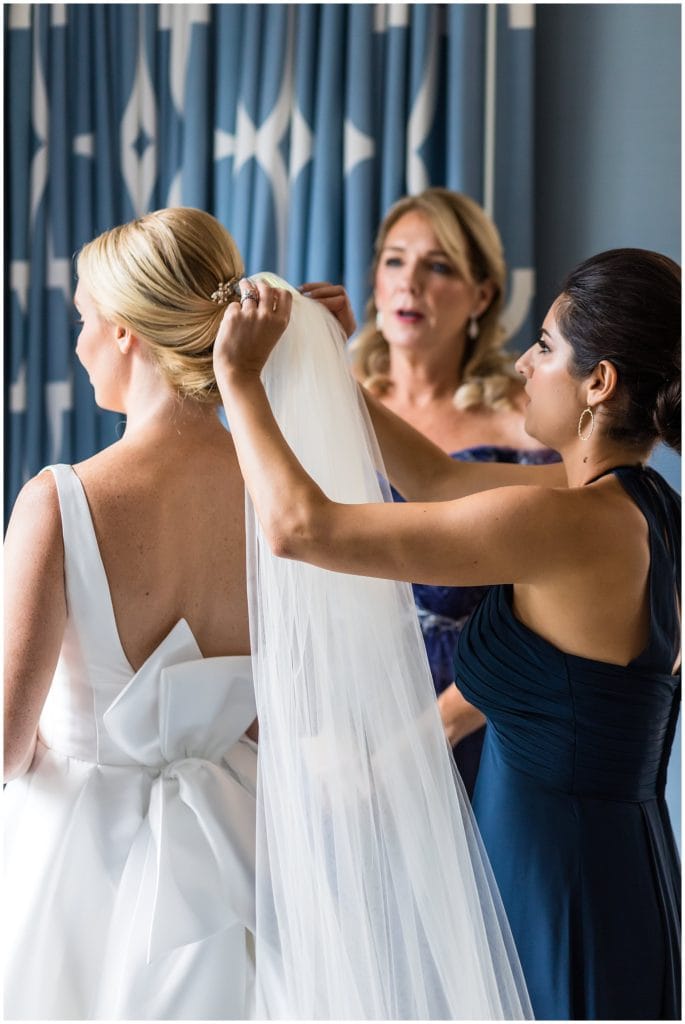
89	600
660	505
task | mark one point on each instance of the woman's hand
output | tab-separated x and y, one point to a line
335	299
250	329
459	718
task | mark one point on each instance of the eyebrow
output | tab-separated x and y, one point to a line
431	252
543	330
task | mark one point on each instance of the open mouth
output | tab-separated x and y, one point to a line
409	316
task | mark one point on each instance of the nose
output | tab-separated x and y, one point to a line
410	278
522	365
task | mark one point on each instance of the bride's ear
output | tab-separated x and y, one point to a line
125	338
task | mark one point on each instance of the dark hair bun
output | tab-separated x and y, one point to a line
624	306
667	417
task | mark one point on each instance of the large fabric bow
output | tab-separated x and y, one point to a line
185	716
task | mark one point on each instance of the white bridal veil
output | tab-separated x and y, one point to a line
375	900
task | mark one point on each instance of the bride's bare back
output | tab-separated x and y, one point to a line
169	519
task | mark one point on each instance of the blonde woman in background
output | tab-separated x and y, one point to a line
130	810
432	351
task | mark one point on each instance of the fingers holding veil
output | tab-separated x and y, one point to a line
335	299
251	327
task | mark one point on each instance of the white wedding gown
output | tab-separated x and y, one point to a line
130	842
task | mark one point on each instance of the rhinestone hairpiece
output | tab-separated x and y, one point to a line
224	291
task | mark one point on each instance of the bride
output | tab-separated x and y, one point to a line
130	810
133	879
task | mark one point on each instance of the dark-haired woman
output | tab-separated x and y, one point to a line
573	656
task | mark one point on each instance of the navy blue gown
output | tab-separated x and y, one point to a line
444	610
570	795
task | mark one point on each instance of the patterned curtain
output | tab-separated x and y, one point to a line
296	125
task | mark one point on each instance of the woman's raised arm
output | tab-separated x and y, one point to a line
503	536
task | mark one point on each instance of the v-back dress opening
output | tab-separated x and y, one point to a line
130	842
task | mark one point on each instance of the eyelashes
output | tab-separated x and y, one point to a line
435	266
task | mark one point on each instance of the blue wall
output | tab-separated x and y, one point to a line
607	133
608	150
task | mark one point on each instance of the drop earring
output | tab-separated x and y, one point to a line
473	330
584	413
379	321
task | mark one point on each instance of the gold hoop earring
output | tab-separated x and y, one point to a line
584	413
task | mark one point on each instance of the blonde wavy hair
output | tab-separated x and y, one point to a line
473	244
156	275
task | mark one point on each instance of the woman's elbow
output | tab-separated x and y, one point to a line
282	545
297	535
289	541
17	759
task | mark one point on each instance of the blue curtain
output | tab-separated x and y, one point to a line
296	125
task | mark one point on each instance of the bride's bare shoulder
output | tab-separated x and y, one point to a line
147	488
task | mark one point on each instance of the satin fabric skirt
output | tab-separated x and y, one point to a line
76	942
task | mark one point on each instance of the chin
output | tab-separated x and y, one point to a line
545	439
535	434
408	341
108	403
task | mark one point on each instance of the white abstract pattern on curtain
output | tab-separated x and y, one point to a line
296	125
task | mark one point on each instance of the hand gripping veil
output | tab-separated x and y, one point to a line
375	900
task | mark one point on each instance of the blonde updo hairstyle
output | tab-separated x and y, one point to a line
156	275
472	243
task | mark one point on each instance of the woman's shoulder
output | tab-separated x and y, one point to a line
608	523
38	501
567	512
99	462
34	536
113	471
160	475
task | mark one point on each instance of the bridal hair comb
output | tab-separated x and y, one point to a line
224	291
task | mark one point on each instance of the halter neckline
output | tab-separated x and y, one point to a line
612	469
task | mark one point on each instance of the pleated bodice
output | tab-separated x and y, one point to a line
579	726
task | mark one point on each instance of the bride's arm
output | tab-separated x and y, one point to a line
35	615
419	469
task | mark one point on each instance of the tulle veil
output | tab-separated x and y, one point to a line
375	900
